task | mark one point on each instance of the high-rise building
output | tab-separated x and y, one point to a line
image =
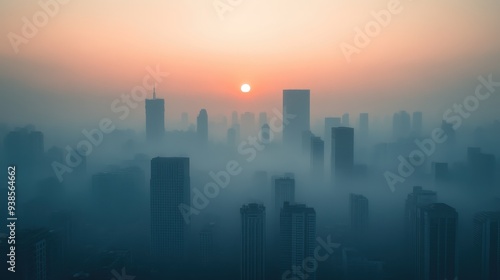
253	241
155	118
284	190
207	250
359	212
170	187
419	197
297	236
487	245
306	142
202	127
317	157
296	103
436	242
265	134
364	126
440	171
342	151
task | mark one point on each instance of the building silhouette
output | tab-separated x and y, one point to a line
342	151
436	245
487	245
364	126
359	213
296	103
253	241
284	191
297	236
401	125
170	187
155	118
317	157
202	127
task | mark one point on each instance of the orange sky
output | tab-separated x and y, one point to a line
99	49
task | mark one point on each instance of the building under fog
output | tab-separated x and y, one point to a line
253	241
155	118
296	104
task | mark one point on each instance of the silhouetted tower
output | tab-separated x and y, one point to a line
487	245
342	152
359	213
202	127
284	188
253	241
296	103
170	187
317	157
155	118
436	242
297	236
401	125
364	126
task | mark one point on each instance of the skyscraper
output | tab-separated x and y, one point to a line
317	157
436	242
202	127
155	118
296	104
284	188
342	152
170	187
253	241
297	236
419	197
401	125
487	245
359	212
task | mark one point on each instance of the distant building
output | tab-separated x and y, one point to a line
306	142
296	103
202	127
284	188
253	241
342	152
359	213
364	126
487	245
436	242
440	172
155	118
317	157
207	250
401	125
170	187
297	236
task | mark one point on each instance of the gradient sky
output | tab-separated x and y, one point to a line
93	51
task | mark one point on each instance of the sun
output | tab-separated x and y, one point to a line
245	88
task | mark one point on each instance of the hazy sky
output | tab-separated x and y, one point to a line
428	57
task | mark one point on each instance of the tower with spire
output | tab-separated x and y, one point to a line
155	118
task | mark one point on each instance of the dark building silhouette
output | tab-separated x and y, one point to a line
306	142
419	197
436	242
202	127
440	172
317	157
207	249
359	213
487	245
297	236
297	104
266	134
253	241
342	152
155	118
284	190
481	166
170	187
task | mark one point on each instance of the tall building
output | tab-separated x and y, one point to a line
170	187
265	134
440	171
436	242
202	127
487	245
155	118
342	151
24	147
364	126
253	241
284	190
317	157
207	250
297	236
419	197
359	212
306	142
296	103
